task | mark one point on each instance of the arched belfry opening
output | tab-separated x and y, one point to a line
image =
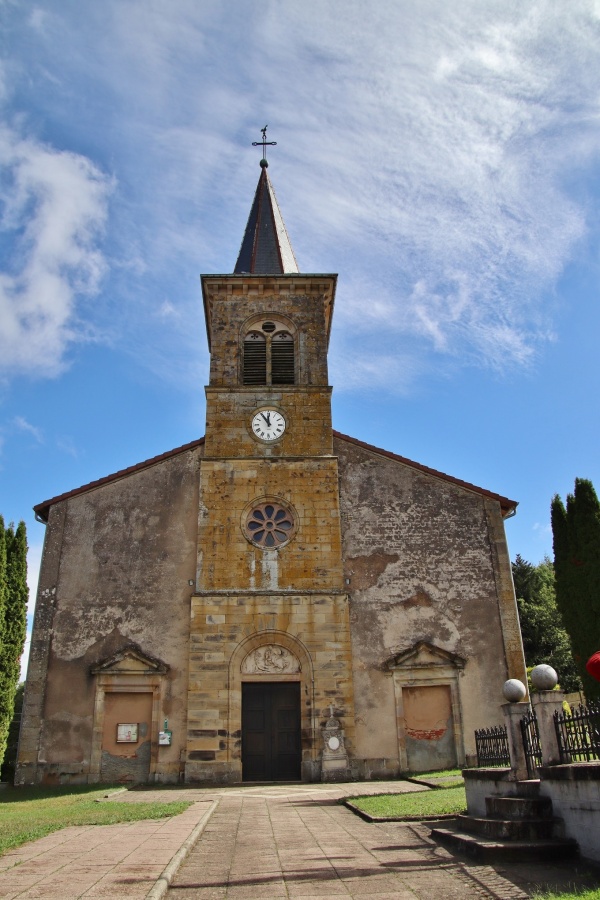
268	352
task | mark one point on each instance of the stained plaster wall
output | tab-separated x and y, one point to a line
116	568
423	560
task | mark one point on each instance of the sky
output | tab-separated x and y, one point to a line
443	159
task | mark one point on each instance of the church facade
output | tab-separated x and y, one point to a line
274	601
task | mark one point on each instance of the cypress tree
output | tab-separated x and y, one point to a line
576	536
14	619
3	725
10	757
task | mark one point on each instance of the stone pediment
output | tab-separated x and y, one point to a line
424	655
130	661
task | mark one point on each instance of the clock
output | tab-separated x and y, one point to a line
268	425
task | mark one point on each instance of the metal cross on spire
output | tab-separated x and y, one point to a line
265	143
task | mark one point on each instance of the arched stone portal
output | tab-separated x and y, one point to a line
271	708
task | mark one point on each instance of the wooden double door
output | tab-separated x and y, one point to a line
271	734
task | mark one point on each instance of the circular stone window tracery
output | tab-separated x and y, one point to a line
269	525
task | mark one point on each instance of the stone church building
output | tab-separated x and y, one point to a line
274	601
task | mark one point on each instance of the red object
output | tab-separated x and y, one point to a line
592	666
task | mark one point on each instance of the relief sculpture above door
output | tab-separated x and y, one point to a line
270	659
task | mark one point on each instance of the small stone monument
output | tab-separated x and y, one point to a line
335	758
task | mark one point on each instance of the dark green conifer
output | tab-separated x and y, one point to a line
13	622
576	534
3	726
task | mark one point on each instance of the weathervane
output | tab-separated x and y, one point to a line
265	143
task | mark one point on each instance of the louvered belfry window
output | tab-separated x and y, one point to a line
282	358
268	355
255	358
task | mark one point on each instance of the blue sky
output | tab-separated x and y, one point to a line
444	159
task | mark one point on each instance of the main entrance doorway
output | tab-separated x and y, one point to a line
271	740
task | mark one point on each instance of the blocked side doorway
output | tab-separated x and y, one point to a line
271	735
429	728
126	737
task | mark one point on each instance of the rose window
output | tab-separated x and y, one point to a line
269	525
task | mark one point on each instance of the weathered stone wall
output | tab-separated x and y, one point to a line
307	412
310	561
116	569
424	560
232	300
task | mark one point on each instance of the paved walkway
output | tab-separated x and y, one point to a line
249	843
301	844
98	861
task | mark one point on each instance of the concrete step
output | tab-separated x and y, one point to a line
518	807
509	829
487	849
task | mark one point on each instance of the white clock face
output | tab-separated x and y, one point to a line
268	424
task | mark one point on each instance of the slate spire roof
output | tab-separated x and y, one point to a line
266	248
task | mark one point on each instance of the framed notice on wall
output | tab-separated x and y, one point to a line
128	733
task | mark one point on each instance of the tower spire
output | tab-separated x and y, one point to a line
266	247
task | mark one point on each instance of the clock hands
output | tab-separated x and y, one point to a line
268	424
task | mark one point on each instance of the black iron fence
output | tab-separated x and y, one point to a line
578	733
492	746
531	743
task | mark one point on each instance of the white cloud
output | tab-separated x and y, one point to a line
23	425
53	209
167	310
455	149
426	151
38	18
67	446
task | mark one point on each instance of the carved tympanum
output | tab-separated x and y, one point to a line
270	659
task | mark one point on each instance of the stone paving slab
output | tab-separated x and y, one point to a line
301	844
97	861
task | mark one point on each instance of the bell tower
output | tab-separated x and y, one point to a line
269	637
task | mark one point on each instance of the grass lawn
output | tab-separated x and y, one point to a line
446	778
444	773
438	802
589	894
29	813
